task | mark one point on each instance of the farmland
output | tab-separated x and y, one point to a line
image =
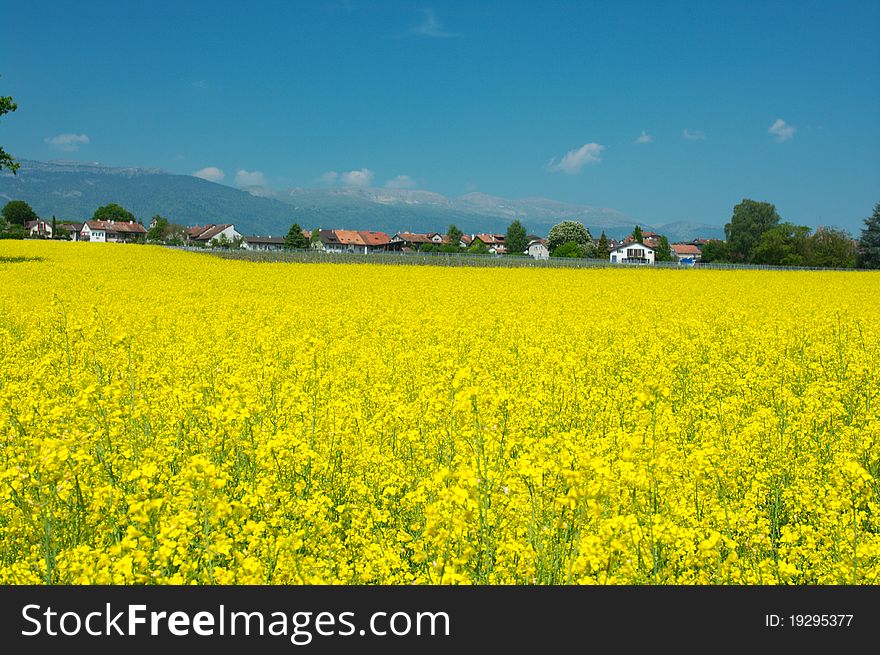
174	418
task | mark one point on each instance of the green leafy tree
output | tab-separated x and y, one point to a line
831	248
54	227
869	241
454	235
477	247
295	238
18	212
637	234
602	249
782	245
749	221
566	231
568	249
6	161
159	231
315	241
664	251
715	252
517	239
113	212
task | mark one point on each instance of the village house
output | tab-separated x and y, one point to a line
210	234
494	242
466	240
538	249
112	231
632	253
686	253
73	230
362	241
262	243
650	239
39	229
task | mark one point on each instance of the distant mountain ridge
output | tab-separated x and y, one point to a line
73	190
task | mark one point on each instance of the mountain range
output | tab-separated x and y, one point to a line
73	190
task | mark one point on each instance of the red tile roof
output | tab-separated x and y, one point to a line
684	249
117	226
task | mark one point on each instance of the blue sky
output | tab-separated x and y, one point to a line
665	111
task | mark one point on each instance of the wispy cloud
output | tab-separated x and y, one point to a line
574	160
329	177
644	137
693	135
199	84
431	27
782	130
249	178
210	173
362	177
401	182
67	142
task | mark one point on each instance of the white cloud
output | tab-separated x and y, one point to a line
210	173
67	142
644	137
693	135
431	26
401	182
329	177
781	130
574	160
363	177
249	178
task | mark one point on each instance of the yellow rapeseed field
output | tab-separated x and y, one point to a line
169	417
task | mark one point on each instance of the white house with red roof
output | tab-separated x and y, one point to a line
632	253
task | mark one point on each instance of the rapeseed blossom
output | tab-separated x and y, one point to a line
172	418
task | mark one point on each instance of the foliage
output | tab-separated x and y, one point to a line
782	245
295	238
6	161
516	241
113	212
159	229
831	248
869	242
12	231
454	235
664	251
477	247
566	231
637	234
18	212
568	249
265	438
602	249
715	252
743	233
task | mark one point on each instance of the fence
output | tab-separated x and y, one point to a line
466	259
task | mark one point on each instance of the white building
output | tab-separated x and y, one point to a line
39	229
632	253
112	231
210	234
262	243
538	249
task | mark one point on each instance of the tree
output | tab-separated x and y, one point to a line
6	161
478	247
113	212
454	235
749	221
782	245
714	252
18	212
602	249
159	231
295	237
663	252
315	241
516	241
54	227
869	242
568	249
831	248
637	234
566	231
